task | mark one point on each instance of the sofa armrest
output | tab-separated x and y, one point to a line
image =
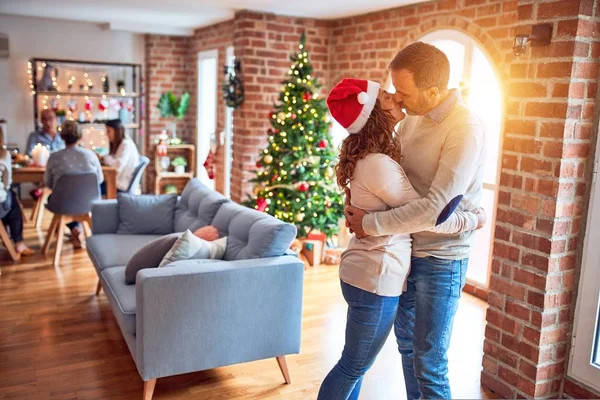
290	252
193	316
105	216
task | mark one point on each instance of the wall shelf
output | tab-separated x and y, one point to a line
89	94
129	73
163	178
102	122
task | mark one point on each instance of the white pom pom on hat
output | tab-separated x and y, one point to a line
363	98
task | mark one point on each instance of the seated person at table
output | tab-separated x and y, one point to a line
123	154
72	161
10	212
46	136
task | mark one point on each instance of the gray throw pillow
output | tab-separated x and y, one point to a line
149	256
146	214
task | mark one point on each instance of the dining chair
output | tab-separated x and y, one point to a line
137	174
37	214
8	243
72	199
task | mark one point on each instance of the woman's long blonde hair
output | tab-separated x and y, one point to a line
375	137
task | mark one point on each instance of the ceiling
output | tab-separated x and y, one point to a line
181	17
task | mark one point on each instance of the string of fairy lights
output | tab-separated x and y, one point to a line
105	102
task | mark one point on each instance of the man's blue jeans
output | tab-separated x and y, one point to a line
424	324
369	321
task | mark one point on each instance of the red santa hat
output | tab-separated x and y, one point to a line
351	102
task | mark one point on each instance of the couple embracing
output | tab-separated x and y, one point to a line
413	193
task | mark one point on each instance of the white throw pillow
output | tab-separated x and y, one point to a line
191	247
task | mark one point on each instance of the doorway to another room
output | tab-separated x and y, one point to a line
207	111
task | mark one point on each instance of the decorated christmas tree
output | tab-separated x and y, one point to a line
295	175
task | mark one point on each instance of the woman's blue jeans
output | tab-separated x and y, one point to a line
369	322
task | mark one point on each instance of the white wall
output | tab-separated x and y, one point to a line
38	37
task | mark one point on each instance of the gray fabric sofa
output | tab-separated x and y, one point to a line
200	314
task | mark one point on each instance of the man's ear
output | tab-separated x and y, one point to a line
433	92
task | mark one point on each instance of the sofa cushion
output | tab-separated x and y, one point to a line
146	214
149	256
121	297
252	234
111	250
197	206
190	247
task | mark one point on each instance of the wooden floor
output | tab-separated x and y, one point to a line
59	341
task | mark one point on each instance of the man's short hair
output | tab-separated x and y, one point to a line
70	132
47	112
429	65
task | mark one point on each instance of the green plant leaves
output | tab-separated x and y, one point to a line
170	106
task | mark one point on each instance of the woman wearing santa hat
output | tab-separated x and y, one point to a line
373	270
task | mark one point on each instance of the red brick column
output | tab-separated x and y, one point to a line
543	196
167	68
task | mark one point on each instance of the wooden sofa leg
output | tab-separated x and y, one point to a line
284	369
149	389
98	287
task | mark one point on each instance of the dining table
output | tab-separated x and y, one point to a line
35	174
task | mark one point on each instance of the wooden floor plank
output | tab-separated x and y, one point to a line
60	341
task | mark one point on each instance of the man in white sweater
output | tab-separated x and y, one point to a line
443	146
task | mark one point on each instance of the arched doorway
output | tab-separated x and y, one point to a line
473	73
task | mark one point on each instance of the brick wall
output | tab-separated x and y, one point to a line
219	37
167	69
264	43
544	191
364	45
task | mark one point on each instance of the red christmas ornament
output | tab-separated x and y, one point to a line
323	143
303	187
274	177
258	164
276	131
72	105
307	96
293	116
88	105
103	105
261	204
209	164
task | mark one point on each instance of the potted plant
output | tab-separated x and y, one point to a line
172	107
61	114
179	163
170	189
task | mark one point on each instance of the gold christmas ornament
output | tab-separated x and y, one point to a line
300	217
329	172
281	115
268	159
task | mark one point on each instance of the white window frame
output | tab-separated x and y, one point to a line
585	327
228	132
200	159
